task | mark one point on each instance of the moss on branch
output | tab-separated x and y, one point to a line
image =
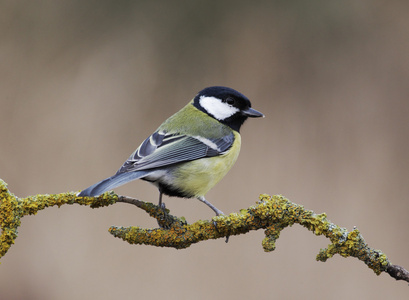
271	213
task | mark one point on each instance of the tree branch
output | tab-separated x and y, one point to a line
271	213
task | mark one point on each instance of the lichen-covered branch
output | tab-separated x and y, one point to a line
271	213
12	209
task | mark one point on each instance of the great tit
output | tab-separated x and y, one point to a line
191	151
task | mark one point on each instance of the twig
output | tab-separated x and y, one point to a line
272	213
398	272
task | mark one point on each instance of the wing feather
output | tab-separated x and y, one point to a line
163	149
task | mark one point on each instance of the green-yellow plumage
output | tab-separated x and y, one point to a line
191	121
199	176
191	151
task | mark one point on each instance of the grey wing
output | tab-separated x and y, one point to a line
163	149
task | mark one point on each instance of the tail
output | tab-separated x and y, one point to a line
111	183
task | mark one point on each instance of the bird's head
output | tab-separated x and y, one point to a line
226	105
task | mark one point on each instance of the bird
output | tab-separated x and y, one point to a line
191	151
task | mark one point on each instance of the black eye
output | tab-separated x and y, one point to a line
230	101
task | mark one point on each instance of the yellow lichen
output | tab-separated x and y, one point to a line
271	213
12	209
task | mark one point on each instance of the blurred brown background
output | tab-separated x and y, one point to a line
84	82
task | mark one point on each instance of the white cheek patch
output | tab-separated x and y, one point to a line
217	108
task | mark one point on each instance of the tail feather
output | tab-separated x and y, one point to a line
111	183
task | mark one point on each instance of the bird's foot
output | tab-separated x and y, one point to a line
166	220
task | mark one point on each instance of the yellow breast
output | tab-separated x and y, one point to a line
199	176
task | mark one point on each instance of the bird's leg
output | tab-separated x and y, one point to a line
214	208
161	205
163	222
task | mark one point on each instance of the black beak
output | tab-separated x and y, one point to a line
252	113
